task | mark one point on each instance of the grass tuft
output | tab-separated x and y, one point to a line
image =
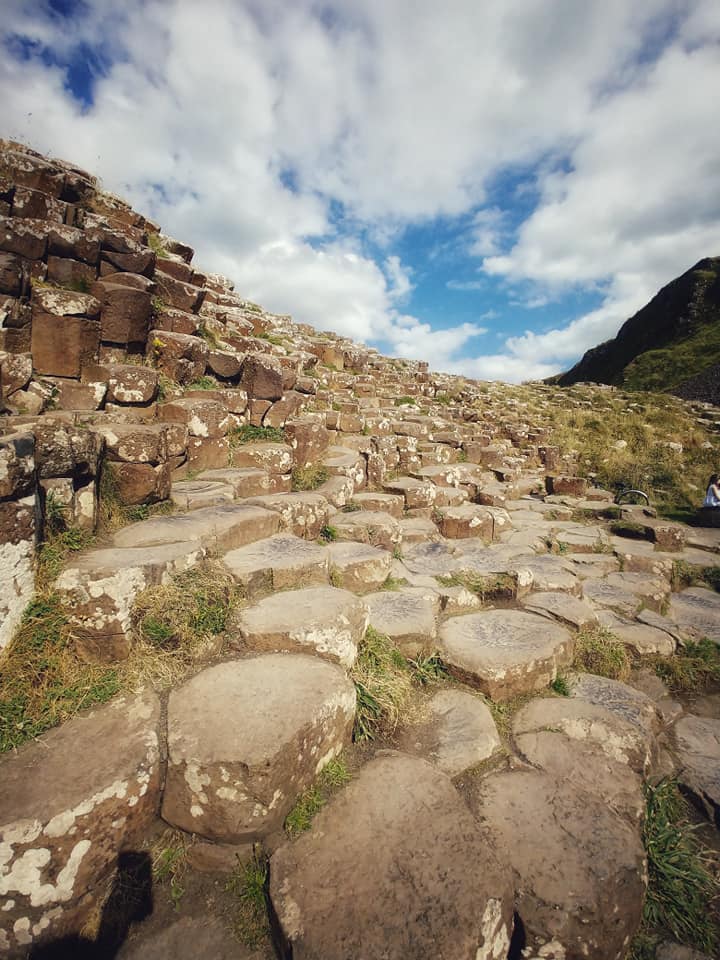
333	776
560	686
42	682
428	669
681	889
169	856
247	885
204	383
383	685
599	651
308	478
693	668
328	533
248	433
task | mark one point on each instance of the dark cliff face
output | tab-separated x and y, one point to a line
675	314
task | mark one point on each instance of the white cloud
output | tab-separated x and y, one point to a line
397	114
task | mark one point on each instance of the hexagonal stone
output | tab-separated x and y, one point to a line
561	606
611	596
697	613
71	801
220	527
394	866
466	520
644	638
505	652
406	616
417	493
320	620
274	458
458	733
282	562
632	705
579	869
246	737
697	743
245	481
418	530
302	514
381	503
367	526
194	494
546	573
358	566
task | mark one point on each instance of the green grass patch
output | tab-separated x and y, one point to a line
208	335
428	668
629	529
169	858
681	888
404	401
393	583
487	587
383	684
694	667
599	651
333	776
248	433
188	611
247	886
328	533
42	682
561	686
204	383
154	241
309	478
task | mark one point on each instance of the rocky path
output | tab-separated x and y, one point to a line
343	492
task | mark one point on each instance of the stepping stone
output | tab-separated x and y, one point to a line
193	494
302	514
577	538
467	520
626	702
366	526
602	593
616	736
390	503
431	559
339	491
358	566
394	866
586	565
577	761
71	801
417	493
273	458
408	618
246	737
451	496
320	620
418	530
579	869
245	481
697	613
561	606
458	734
220	528
341	462
546	574
654	592
100	587
505	652
282	562
643	639
697	744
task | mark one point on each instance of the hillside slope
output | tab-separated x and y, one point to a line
674	338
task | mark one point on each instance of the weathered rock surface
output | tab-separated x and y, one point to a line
458	733
579	869
322	620
358	566
69	805
360	884
408	618
282	562
505	652
696	611
697	743
245	738
222	527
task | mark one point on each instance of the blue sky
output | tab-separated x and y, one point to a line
492	187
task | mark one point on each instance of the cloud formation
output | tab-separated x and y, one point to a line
293	144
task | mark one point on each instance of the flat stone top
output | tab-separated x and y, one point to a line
347	551
205	522
279	501
299	609
77	761
503	636
626	702
248	709
399	605
106	561
365	518
697	609
277	551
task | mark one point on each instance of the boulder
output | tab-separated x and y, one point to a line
457	733
579	869
505	652
246	737
322	620
71	802
394	867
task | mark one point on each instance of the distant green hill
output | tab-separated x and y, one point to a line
672	344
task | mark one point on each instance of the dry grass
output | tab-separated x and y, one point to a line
383	685
599	651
